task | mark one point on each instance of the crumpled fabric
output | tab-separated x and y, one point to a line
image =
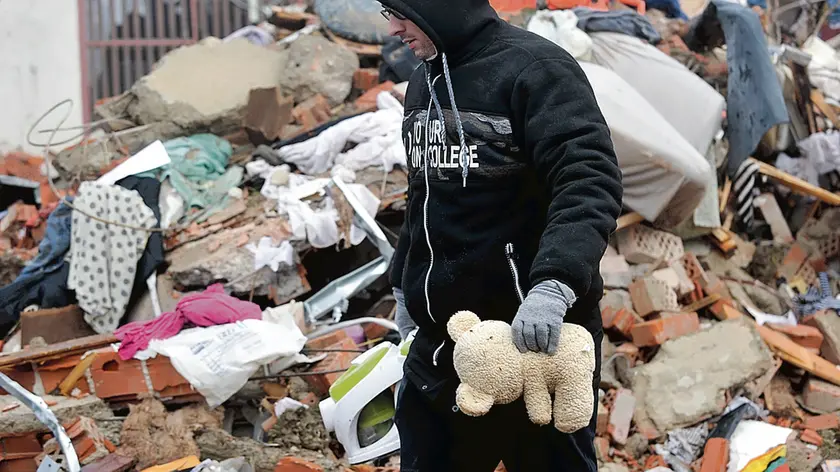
104	257
377	135
823	151
824	68
755	103
683	447
798	167
209	308
44	280
267	254
199	169
618	21
561	28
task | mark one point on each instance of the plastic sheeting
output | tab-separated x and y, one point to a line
560	27
664	176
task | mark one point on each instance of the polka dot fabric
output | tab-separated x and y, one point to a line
103	257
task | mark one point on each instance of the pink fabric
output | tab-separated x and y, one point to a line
211	307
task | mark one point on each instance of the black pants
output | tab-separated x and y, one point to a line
435	437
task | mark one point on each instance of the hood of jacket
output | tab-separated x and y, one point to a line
450	24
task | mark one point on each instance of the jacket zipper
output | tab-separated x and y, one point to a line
509	254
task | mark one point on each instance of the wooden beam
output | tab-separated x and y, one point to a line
724	197
799	356
819	100
628	220
796	184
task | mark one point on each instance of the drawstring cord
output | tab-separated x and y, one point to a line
463	156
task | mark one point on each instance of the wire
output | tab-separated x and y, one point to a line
48	158
298	374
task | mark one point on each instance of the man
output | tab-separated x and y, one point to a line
513	193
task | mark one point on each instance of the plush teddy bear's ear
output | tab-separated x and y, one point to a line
460	323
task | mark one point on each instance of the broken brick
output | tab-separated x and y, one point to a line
715	455
310	399
621	415
367	102
725	310
642	245
630	350
268	112
54	325
821	396
22	165
615	272
294	464
667	326
651	295
365	79
90	444
622	320
335	361
806	336
811	437
111	463
312	112
818	423
794	259
655	461
327	340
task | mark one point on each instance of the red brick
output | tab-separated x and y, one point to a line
335	361
652	295
821	396
640	245
293	464
111	463
621	415
811	437
818	423
724	309
25	166
715	455
805	336
622	320
828	323
367	102
327	340
310	399
312	112
668	326
655	461
366	78
19	465
602	448
793	261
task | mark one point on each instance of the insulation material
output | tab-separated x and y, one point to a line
664	176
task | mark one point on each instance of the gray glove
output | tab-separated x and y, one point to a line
404	322
536	326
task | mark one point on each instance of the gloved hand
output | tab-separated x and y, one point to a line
404	322
536	326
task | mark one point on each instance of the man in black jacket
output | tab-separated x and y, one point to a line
511	167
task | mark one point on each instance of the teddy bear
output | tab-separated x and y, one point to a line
493	371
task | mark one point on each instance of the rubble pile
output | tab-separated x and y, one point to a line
170	285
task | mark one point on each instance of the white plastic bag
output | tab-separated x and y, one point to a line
218	360
560	27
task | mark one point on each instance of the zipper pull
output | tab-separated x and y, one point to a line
512	263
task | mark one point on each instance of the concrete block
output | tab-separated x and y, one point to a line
640	244
821	396
621	415
698	370
667	326
54	325
616	272
828	323
651	295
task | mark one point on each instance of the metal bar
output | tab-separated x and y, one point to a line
135	26
114	69
170	20
194	20
83	60
140	42
203	19
125	59
184	22
226	17
159	33
46	416
217	20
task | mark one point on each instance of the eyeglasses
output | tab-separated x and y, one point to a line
387	12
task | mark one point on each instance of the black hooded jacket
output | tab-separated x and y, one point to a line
542	176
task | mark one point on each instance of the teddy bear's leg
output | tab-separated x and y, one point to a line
574	398
471	401
537	399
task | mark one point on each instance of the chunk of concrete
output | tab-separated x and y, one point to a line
828	323
687	380
318	66
22	420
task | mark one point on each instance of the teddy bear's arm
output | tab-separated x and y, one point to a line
471	401
537	399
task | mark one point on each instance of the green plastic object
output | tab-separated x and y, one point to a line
378	411
354	375
406	346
